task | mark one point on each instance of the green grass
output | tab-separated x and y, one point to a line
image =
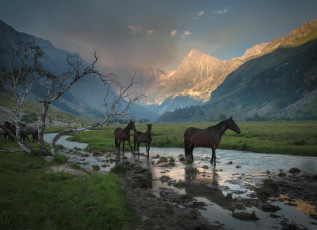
296	138
32	198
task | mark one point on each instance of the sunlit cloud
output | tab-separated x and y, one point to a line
135	29
173	33
186	33
150	32
201	13
223	11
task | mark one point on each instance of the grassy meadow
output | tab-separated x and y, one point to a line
32	197
296	138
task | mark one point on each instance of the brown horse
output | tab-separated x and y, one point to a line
140	137
23	131
12	128
124	135
209	137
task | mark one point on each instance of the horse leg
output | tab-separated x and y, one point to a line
123	147
119	146
191	152
135	142
148	149
138	147
213	156
186	148
131	147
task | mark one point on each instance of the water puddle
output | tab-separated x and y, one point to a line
230	184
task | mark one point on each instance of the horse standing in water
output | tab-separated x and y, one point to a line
209	137
124	135
140	137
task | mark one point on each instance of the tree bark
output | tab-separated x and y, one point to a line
41	128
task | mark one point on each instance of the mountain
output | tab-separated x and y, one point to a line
85	98
280	82
172	104
196	76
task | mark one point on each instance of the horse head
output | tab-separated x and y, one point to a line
132	126
233	126
7	124
149	127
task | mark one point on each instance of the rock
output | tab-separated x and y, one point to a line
270	208
163	193
244	216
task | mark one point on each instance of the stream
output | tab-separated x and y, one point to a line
237	173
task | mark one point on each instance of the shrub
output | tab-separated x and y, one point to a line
162	159
294	170
74	166
95	167
118	169
164	178
60	159
180	183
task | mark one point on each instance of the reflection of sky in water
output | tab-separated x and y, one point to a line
218	182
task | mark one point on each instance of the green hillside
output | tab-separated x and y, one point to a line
31	111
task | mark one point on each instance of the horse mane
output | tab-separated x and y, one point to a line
220	124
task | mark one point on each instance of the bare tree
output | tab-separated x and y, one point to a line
56	86
20	71
115	107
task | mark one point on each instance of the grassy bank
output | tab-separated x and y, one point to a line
33	198
296	138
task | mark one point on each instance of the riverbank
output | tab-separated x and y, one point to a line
248	190
294	138
270	205
36	194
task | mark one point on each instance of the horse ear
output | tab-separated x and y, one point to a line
230	118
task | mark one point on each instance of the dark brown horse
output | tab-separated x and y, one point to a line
23	131
12	128
124	135
209	137
140	137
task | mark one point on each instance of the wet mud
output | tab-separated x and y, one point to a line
244	191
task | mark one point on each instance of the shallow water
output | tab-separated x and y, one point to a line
236	173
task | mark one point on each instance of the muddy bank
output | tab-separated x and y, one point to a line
165	203
170	210
244	191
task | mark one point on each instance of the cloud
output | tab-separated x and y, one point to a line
201	13
173	33
135	29
150	32
186	33
223	11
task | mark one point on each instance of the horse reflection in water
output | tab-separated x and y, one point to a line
209	137
198	185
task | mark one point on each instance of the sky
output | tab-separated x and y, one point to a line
161	32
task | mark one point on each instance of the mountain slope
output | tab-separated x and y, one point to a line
279	84
84	99
196	76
